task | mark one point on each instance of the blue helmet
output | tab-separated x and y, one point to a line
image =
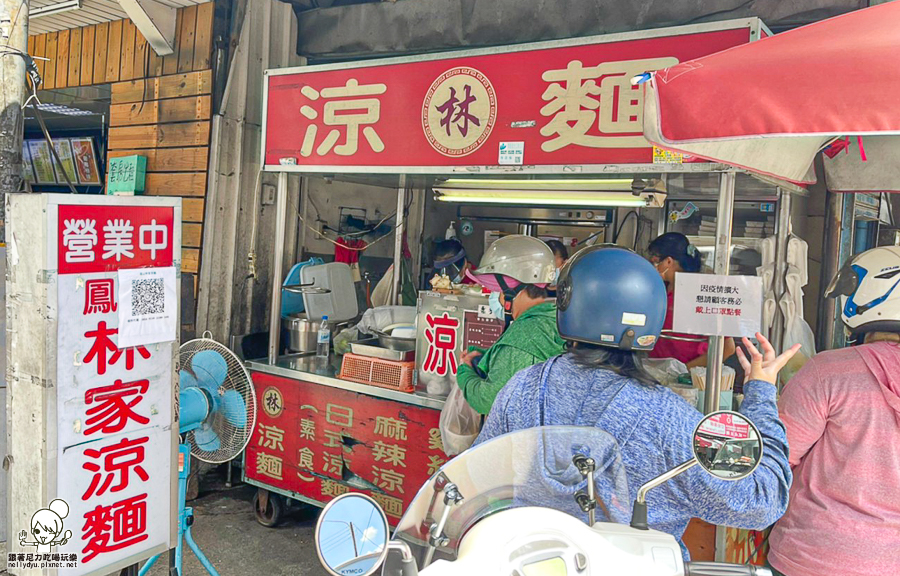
611	297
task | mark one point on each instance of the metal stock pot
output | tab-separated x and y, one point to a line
302	332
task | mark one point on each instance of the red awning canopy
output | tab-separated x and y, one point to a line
771	106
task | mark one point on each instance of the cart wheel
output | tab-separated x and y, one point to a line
268	508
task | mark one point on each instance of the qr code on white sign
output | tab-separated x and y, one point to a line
147	297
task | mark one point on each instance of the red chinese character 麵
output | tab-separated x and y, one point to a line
118	461
114	406
111	528
441	336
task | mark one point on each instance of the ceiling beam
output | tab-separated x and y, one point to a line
155	21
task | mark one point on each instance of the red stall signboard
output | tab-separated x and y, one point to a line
115	404
559	103
319	442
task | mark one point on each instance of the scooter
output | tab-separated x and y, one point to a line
512	507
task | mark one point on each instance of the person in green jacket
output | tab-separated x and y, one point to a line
516	269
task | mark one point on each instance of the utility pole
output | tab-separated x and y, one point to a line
13	42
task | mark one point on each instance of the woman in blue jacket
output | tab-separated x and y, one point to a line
611	306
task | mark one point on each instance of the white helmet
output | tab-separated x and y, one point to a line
523	258
869	287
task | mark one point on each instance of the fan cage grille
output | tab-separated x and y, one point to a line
232	439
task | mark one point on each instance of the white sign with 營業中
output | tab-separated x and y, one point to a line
147	306
714	305
116	429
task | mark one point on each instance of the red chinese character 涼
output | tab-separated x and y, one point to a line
343	108
114	406
455	111
111	528
99	296
153	237
441	336
80	237
118	461
103	344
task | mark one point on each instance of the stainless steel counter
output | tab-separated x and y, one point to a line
308	368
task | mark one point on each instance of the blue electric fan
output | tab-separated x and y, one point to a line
216	416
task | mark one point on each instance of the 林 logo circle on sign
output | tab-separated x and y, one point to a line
459	111
273	401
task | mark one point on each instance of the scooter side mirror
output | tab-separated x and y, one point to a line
352	536
727	445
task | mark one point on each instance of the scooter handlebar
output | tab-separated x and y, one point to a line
717	569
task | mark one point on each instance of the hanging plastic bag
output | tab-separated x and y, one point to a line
343	339
459	423
665	370
797	331
381	295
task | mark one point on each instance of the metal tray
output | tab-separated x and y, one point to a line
371	349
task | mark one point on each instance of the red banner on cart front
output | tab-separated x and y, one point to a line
556	103
319	442
109	238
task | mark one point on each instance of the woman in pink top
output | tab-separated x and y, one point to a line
842	413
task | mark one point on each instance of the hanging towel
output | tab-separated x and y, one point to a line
767	273
768	320
348	252
798	255
767	250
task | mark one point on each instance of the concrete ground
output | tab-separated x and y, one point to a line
237	545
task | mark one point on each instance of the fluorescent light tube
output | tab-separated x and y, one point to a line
520	198
618	184
55	8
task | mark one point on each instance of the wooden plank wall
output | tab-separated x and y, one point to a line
161	106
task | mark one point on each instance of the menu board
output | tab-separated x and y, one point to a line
27	169
85	161
42	161
64	151
77	155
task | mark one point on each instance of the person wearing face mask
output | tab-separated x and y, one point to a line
672	253
560	256
517	270
450	258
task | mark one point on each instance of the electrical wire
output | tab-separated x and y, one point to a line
368	245
34	78
622	224
324	237
40	119
13	27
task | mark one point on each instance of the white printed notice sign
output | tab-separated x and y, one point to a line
715	305
147	306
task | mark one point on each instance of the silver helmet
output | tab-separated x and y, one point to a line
523	258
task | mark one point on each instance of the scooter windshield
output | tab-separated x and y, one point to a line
531	467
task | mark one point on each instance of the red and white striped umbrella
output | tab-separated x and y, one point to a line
772	105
